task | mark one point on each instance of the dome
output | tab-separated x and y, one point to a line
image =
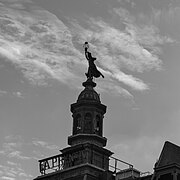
89	94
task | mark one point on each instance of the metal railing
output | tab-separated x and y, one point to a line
118	165
57	162
50	164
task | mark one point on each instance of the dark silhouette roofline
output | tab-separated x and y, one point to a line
170	154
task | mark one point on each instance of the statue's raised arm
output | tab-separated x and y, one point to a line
92	69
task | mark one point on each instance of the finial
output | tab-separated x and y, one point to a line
89	83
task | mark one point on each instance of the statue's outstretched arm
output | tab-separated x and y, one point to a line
86	46
86	54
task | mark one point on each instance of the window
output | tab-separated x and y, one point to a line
77	124
98	125
88	123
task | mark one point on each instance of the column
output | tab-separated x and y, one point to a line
174	176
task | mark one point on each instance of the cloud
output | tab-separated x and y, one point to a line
18	94
13	172
135	48
44	144
12	163
131	2
43	47
2	92
12	148
7	178
114	89
11	94
19	154
40	45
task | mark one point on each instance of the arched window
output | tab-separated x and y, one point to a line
77	124
88	123
98	125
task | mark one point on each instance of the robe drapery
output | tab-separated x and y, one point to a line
92	70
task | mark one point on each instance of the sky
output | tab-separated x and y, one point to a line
42	67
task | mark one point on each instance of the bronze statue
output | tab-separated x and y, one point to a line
92	69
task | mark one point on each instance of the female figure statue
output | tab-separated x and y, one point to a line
92	69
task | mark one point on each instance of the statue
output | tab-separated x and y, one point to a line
92	69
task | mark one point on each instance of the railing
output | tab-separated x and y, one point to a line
50	164
60	162
56	163
118	165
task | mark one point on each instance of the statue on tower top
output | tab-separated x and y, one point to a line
92	69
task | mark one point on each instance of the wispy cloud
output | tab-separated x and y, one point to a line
11	172
45	145
118	50
131	2
2	92
7	178
17	155
17	94
12	148
40	45
12	163
44	47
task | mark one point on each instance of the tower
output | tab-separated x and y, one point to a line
86	152
86	158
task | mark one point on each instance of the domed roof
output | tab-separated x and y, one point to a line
89	94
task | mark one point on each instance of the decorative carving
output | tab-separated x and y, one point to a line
75	158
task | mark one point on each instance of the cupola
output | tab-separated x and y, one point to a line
88	114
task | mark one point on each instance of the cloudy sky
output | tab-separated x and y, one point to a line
42	67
